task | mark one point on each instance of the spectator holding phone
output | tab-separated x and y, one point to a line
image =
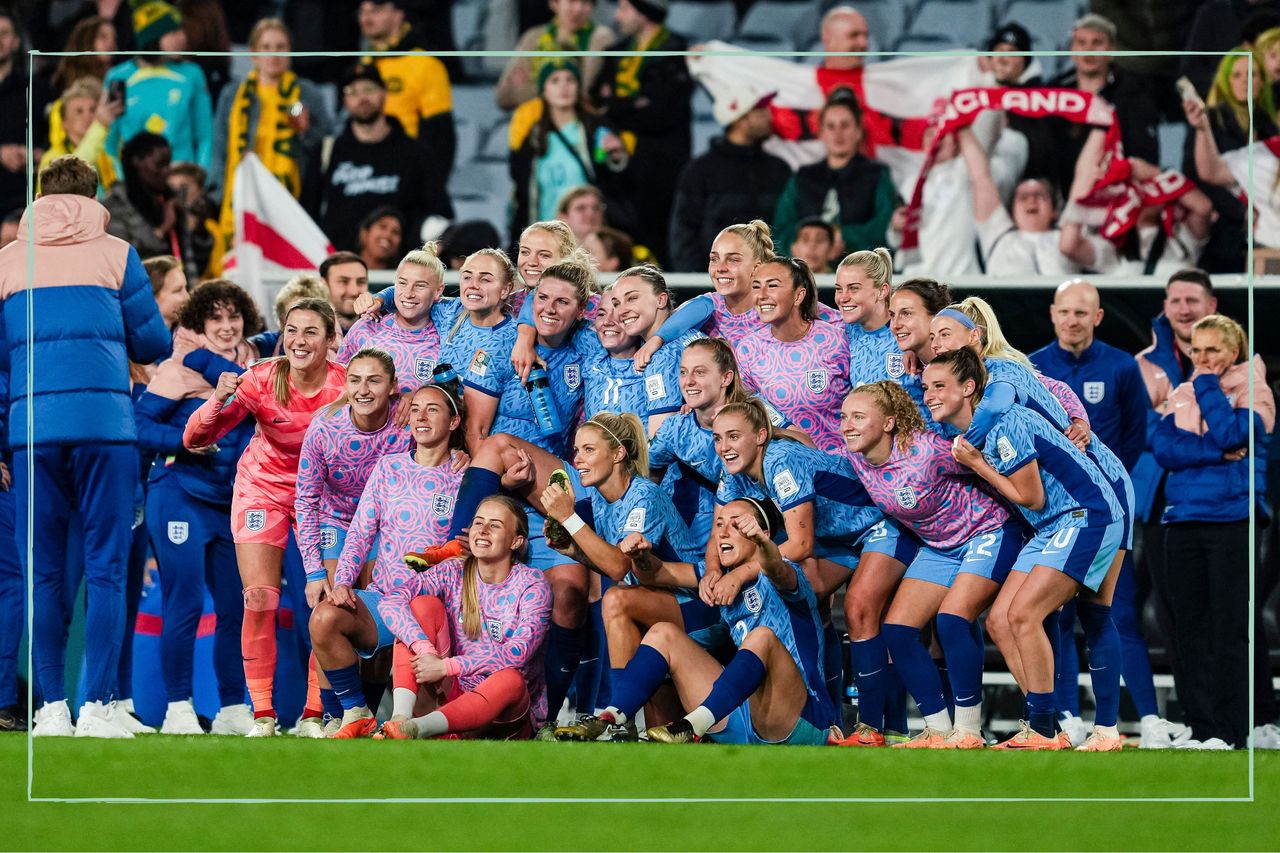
78	124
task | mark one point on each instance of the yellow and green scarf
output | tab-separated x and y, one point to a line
626	83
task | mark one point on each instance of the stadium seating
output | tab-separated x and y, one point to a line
778	24
967	21
701	22
1048	21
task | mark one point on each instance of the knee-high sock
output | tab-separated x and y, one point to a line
944	679
431	616
1103	642
634	684
833	663
1066	662
895	700
870	659
564	650
962	644
586	682
329	700
734	686
1041	714
477	484
916	667
346	686
315	705
501	696
258	646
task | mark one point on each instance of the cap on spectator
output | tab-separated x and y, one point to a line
654	10
366	72
1096	22
1013	34
402	5
152	20
551	66
738	99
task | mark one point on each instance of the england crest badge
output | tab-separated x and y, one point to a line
893	365
906	497
816	380
1094	391
422	368
255	519
178	532
752	600
442	505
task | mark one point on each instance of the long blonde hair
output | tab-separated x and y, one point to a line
894	401
624	430
471	621
994	343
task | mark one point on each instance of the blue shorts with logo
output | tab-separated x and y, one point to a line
332	540
989	555
738	729
883	537
1081	551
386	639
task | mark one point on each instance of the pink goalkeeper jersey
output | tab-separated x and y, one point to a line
269	465
407	507
805	380
931	493
734	327
337	459
414	351
514	617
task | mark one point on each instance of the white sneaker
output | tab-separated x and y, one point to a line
1075	729
233	720
1266	737
311	727
180	719
53	719
332	725
1215	743
121	713
263	727
95	721
1159	733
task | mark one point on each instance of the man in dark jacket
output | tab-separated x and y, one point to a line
373	163
736	181
648	97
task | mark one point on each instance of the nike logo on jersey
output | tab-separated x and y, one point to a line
279	421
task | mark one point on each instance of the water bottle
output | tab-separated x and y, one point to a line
544	408
443	374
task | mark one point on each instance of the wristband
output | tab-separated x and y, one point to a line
573	524
1073	212
318	575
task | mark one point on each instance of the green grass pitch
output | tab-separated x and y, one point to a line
209	767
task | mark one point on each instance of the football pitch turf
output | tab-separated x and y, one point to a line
232	768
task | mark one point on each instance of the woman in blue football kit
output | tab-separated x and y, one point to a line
482	325
862	294
772	691
912	307
1077	529
189	509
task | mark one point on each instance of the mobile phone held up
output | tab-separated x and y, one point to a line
116	92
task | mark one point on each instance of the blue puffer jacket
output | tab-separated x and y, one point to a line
1201	485
92	311
208	477
1161	358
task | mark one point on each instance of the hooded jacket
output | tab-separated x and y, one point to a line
1162	368
91	311
1206	418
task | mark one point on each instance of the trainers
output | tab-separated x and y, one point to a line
892	738
1264	737
962	739
331	726
864	735
309	727
12	719
930	738
1074	728
420	561
1213	743
180	719
1159	733
53	719
588	727
678	732
1028	738
399	730
264	727
355	723
95	721
123	715
547	732
1099	742
233	720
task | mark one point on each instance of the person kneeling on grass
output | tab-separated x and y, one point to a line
773	690
492	613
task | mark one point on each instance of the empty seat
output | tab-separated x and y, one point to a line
778	22
1048	21
699	22
886	19
966	21
928	42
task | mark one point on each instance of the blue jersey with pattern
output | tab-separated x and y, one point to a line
795	474
662	376
462	341
644	508
1072	482
873	356
497	378
1030	391
793	618
687	451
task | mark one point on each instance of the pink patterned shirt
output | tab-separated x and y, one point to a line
929	492
407	507
805	380
734	327
337	459
414	351
514	618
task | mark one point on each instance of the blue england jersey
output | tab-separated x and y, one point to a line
462	341
873	356
496	377
612	385
1072	483
693	470
793	618
1030	391
795	474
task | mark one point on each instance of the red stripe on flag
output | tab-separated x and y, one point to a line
275	248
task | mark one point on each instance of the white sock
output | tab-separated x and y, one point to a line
1106	731
402	702
1150	719
352	714
432	724
969	718
701	719
941	721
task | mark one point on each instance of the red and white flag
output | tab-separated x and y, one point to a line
274	238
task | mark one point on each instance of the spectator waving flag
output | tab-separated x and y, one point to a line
898	98
274	236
